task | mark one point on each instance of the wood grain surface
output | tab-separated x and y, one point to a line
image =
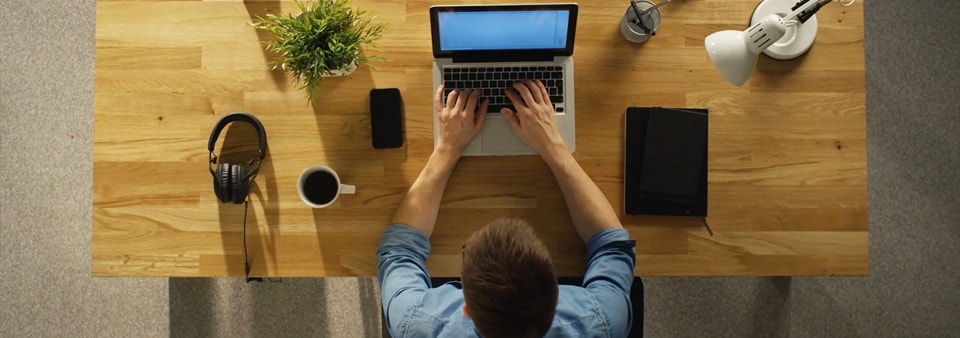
787	158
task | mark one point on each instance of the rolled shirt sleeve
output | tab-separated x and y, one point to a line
611	259
402	273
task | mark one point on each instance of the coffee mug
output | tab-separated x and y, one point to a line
319	186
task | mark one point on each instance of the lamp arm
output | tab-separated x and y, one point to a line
805	9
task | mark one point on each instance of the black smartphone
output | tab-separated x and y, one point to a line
386	118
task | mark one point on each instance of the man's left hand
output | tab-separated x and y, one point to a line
460	120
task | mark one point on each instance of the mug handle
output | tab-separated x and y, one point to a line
348	189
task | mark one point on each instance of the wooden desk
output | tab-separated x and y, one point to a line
788	162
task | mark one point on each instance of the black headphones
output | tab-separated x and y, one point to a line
231	182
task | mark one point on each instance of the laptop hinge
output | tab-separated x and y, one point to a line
503	56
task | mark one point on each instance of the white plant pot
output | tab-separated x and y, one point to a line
339	73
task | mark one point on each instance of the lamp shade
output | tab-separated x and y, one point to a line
729	52
735	53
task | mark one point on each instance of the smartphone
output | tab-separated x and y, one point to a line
386	118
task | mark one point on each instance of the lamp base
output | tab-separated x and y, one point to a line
797	40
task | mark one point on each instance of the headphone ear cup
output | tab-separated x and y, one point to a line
221	183
240	185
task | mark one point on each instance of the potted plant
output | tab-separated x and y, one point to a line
326	39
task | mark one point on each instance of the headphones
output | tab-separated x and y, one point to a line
231	182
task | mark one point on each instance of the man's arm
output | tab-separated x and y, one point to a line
459	121
610	252
405	245
535	123
589	208
420	207
402	273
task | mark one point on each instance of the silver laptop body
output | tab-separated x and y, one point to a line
488	47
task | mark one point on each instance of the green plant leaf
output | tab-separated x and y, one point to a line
326	35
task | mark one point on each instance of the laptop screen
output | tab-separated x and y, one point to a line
495	30
484	29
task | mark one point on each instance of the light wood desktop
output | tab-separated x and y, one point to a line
787	157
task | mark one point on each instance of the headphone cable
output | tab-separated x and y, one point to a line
246	262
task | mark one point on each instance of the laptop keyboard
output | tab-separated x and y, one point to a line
494	80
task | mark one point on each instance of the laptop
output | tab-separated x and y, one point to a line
489	47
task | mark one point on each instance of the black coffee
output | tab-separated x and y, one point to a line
320	187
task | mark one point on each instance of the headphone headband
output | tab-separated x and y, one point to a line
240	117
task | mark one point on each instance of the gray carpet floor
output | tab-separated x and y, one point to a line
46	150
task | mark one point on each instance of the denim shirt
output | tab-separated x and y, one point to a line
413	308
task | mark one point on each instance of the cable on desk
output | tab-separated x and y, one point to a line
707	225
246	262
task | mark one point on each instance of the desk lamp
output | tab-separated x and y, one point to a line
778	35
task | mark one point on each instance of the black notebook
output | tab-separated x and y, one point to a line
665	161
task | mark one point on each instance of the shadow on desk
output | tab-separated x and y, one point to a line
341	110
260	9
239	145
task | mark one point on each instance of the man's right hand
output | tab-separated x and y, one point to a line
534	120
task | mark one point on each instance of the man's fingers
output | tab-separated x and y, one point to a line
525	93
512	118
481	114
514	97
438	99
534	90
543	91
482	109
472	102
462	101
452	98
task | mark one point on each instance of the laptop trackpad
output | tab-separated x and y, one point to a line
498	138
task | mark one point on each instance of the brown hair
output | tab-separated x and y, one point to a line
508	280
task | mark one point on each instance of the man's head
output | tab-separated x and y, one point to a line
508	280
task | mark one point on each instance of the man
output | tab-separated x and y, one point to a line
509	288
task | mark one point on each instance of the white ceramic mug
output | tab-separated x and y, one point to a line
340	187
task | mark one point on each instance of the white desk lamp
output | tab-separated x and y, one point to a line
778	35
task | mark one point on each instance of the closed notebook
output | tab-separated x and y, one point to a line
665	161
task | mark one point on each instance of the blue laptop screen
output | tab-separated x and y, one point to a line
503	30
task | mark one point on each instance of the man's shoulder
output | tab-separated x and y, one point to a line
440	314
575	302
424	324
443	300
579	314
